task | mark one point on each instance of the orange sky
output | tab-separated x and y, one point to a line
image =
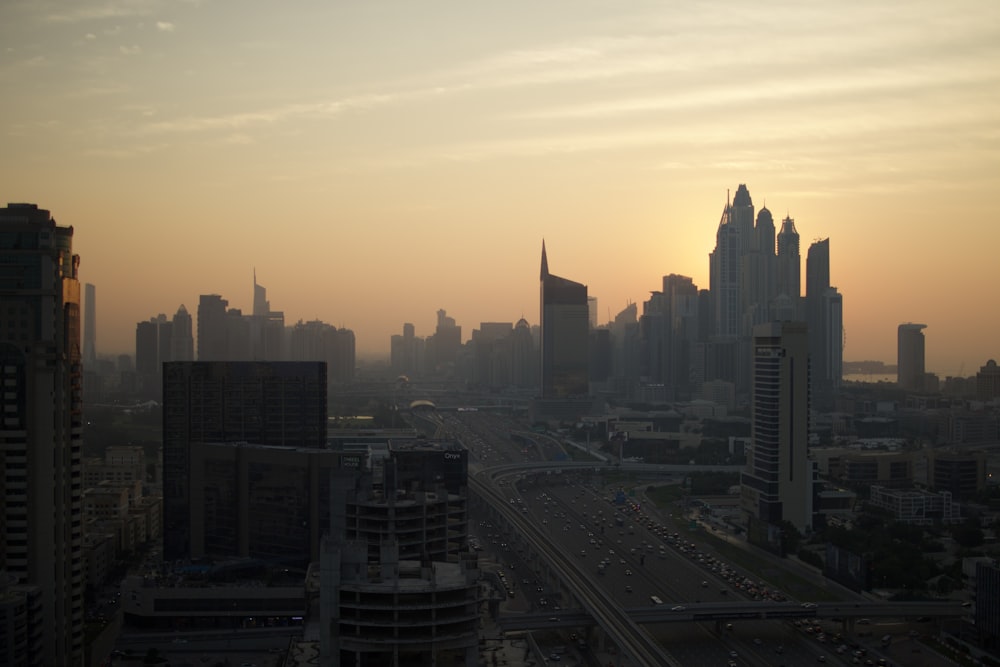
378	161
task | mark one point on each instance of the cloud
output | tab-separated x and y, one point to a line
90	35
130	50
266	116
165	26
105	10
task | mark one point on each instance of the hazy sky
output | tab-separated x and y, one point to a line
378	160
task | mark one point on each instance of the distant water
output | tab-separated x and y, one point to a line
870	377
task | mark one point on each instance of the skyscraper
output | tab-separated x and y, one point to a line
146	349
261	306
212	330
89	325
724	276
910	356
279	404
565	321
668	332
182	340
41	432
443	346
777	484
758	272
789	261
824	315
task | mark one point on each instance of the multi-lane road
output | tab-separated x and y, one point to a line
642	563
640	567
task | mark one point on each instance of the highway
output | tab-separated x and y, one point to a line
569	520
631	639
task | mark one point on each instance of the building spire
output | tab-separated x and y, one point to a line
545	263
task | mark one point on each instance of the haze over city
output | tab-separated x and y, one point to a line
376	162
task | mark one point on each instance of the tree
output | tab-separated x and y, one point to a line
790	537
968	536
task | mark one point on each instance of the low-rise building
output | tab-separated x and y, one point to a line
921	508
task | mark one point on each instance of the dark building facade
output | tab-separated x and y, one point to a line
910	356
280	404
565	322
263	502
41	506
778	482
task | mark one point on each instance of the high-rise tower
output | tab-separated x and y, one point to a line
182	340
41	432
910	356
212	328
89	325
261	306
565	322
758	272
789	261
275	404
778	482
824	315
724	276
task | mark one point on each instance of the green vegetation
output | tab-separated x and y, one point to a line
898	552
761	566
764	568
666	495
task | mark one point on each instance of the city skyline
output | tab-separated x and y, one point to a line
377	164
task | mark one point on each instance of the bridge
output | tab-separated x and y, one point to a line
848	612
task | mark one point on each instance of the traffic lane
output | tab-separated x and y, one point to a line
673	578
677	577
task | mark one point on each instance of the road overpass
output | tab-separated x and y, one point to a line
848	612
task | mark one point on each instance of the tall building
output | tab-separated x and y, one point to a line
89	325
153	347
319	341
212	328
146	349
988	381
443	346
398	541
41	507
625	346
789	261
592	311
724	276
824	315
910	356
777	484
267	327
669	332
741	269
182	339
279	404
759	272
565	319
261	306
407	352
